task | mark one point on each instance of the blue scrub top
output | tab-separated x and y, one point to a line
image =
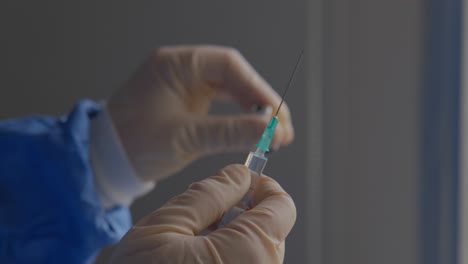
49	208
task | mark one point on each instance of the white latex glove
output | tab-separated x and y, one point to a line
168	235
161	114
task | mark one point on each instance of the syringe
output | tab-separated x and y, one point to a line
256	160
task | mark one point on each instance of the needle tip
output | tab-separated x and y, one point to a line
290	81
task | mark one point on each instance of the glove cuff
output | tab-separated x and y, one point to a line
116	180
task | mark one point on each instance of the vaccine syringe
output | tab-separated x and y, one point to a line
256	160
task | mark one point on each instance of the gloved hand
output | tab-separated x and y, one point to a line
169	235
161	114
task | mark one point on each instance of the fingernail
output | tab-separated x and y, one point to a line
256	108
262	109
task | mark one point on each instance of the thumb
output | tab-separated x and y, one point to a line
233	133
202	204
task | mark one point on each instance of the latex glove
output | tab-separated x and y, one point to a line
168	235
161	114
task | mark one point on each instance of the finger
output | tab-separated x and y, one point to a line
203	203
239	80
228	71
282	248
214	134
273	214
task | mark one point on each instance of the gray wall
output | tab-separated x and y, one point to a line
463	222
55	52
373	72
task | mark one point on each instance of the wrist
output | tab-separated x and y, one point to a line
117	182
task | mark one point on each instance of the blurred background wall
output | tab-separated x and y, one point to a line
373	78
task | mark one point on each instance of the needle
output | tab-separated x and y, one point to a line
290	81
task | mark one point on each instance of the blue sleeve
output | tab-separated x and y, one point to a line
49	210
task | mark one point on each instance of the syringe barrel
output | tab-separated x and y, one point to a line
256	161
